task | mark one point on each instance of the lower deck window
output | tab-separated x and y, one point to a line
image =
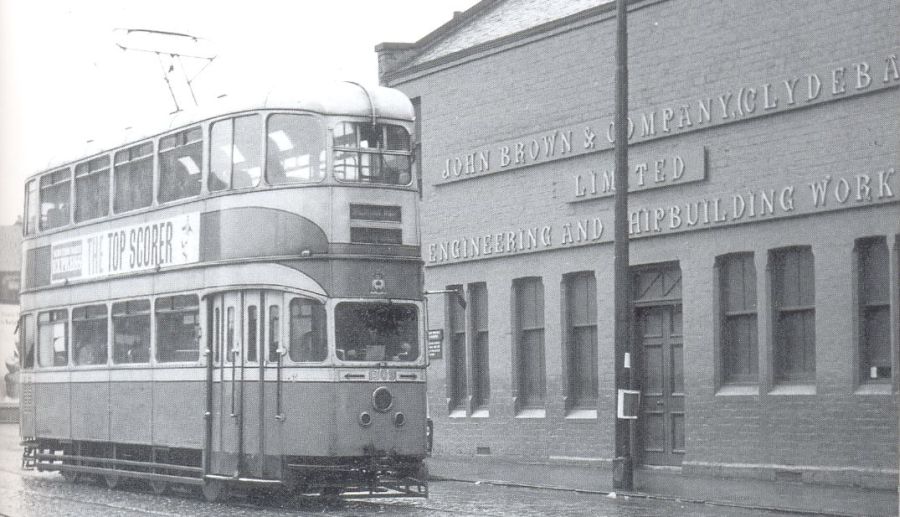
376	331
53	338
307	339
89	336
131	331
177	321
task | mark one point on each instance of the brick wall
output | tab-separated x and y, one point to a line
679	50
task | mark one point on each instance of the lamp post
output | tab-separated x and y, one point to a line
624	429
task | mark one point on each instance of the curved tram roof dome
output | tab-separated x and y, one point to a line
337	98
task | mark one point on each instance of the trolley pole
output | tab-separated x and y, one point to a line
623	475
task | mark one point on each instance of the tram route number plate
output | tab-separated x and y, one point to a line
436	344
382	375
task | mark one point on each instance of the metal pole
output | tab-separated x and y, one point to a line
622	282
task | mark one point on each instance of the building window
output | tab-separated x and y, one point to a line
180	163
738	342
235	154
529	338
308	341
456	358
295	151
53	338
793	314
55	199
874	309
481	378
133	178
177	325
581	340
92	189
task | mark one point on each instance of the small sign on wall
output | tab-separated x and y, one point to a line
628	405
436	344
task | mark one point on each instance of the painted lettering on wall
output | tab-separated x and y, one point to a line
141	247
677	167
741	103
828	192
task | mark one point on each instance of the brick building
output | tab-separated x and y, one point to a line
764	223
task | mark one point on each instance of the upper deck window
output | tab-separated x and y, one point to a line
92	189
55	197
133	178
295	149
31	207
367	153
180	163
376	331
235	153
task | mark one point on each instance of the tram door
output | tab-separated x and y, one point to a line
239	394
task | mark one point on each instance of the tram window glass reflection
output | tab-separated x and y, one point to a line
177	323
180	163
89	335
376	331
295	149
31	207
308	339
131	332
26	342
274	332
252	333
366	153
235	153
53	338
229	339
55	198
133	175
92	189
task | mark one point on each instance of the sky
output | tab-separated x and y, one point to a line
64	81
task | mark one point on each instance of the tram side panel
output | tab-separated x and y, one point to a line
90	405
130	406
53	408
178	408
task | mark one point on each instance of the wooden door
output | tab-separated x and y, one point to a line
661	422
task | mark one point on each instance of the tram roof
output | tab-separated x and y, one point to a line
335	98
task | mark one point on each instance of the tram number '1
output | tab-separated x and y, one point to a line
382	375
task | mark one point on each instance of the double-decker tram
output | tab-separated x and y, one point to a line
236	300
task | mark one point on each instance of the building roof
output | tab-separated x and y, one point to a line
338	98
10	240
485	22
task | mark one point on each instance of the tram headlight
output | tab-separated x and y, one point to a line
365	419
399	419
382	400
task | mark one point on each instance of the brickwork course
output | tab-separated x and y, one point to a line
791	112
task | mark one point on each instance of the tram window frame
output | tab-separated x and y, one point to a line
58	321
32	207
350	144
274	146
303	347
130	311
54	184
187	306
91	189
27	341
85	320
377	347
136	164
180	157
229	334
235	135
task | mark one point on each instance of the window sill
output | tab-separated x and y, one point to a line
793	389
458	413
874	388
582	414
481	413
738	390
532	413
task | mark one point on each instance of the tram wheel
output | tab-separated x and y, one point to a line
213	490
70	475
112	480
158	487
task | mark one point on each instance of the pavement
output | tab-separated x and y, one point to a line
671	484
